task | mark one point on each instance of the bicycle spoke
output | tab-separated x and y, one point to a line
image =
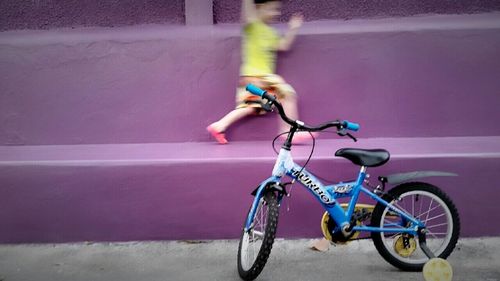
437	225
435	217
413	206
418	217
428	212
420	208
253	247
437	233
394	235
403	210
262	217
391	224
258	234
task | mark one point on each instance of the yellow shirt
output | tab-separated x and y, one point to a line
260	43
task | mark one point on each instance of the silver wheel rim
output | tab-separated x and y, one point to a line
433	212
252	239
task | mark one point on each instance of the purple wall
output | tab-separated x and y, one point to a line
229	10
418	77
47	14
154	84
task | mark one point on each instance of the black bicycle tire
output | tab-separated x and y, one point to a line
398	191
267	241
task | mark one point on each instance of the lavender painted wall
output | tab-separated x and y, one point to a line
165	84
154	84
229	10
47	14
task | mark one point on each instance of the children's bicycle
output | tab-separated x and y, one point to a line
410	225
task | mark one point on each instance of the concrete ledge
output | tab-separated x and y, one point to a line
258	151
201	190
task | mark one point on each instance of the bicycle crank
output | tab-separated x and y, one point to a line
328	225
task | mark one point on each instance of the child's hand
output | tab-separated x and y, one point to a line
296	21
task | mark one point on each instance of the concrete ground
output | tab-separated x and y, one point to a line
473	259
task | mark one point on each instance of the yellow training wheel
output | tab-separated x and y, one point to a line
437	269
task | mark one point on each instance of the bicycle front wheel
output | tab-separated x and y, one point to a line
426	203
256	243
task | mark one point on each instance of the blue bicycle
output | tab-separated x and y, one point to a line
409	225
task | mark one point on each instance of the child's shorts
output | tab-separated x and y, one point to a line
272	83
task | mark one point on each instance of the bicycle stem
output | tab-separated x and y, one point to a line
288	142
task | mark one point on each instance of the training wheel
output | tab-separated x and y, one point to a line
437	269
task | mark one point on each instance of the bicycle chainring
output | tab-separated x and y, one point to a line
329	227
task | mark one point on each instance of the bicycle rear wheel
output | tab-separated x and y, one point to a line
428	204
256	243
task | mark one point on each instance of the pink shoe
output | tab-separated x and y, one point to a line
218	136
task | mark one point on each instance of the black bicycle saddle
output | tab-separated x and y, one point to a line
365	157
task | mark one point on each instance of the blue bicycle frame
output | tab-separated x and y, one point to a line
328	195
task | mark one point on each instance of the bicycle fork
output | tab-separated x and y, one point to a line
265	186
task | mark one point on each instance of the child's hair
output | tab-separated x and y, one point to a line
263	1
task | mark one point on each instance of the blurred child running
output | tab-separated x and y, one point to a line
259	50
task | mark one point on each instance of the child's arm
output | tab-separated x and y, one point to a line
286	41
248	12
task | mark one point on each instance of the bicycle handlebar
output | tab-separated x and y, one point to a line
255	90
339	124
351	126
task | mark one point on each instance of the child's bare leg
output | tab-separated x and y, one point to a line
289	103
232	117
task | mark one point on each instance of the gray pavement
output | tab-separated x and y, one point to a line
473	259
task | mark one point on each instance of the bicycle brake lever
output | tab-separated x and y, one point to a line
343	133
267	106
352	137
